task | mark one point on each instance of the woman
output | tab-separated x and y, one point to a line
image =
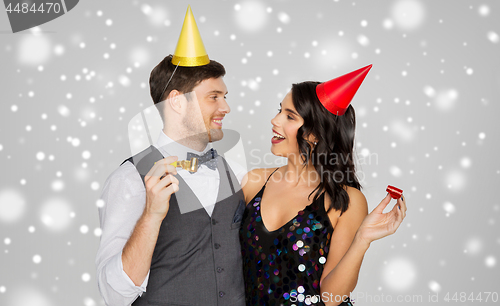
302	251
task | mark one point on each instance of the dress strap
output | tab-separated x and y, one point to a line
271	175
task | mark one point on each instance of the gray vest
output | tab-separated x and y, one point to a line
197	258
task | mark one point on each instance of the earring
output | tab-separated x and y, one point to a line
315	143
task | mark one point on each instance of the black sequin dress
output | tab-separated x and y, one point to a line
284	267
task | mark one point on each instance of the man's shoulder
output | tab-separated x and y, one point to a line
126	169
235	166
125	175
238	169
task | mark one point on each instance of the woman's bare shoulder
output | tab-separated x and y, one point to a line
355	195
358	206
254	180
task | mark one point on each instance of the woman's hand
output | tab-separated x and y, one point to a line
379	224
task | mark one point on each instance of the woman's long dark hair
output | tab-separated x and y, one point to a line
332	157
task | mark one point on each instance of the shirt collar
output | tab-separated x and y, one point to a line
169	147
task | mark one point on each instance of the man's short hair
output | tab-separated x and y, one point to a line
184	79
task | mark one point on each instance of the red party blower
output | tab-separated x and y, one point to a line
394	192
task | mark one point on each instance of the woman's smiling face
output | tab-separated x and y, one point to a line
285	126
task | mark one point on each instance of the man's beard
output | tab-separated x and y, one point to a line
194	132
215	135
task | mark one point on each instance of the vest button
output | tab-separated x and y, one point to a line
219	269
216	245
221	293
214	221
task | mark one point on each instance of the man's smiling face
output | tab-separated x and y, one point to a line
211	96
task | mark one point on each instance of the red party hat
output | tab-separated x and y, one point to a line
336	94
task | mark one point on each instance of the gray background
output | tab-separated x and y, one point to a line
427	118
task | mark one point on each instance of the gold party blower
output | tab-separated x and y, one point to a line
189	165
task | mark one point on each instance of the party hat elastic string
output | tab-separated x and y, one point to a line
165	88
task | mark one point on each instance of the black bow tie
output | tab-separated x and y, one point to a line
208	159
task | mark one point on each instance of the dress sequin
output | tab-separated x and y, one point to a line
283	267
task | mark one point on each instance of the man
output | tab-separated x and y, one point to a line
170	237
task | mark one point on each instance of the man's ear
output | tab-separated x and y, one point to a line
174	100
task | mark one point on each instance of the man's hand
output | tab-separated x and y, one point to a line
138	251
160	185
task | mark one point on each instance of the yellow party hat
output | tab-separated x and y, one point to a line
190	51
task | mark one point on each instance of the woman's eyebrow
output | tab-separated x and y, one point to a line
291	111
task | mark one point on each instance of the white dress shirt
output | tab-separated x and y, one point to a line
124	199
